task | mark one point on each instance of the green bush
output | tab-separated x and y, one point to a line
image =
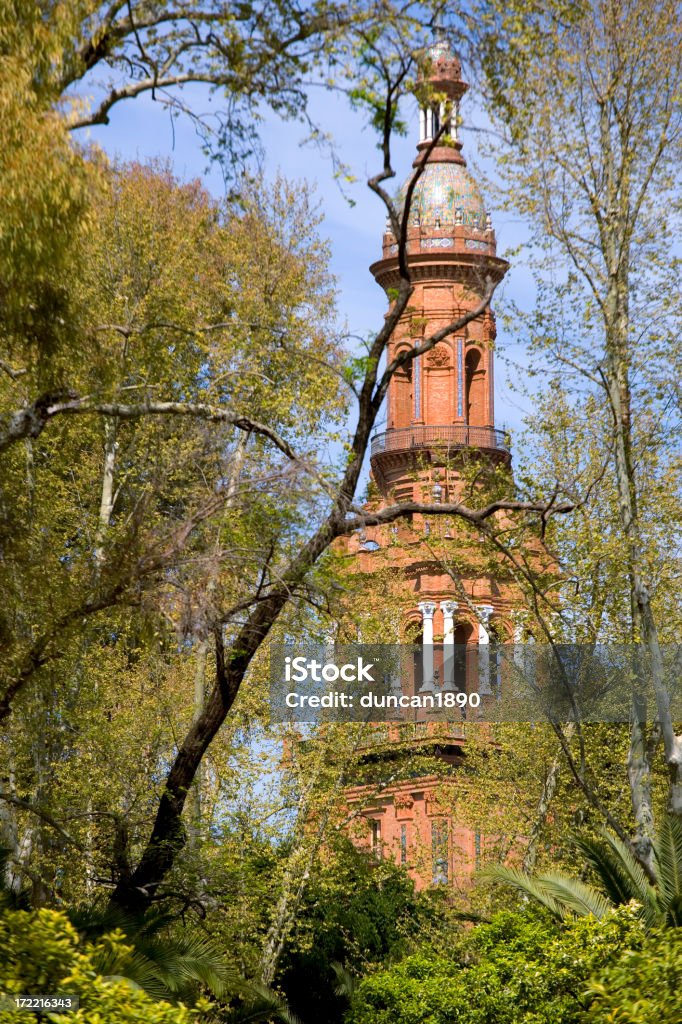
41	955
519	969
644	984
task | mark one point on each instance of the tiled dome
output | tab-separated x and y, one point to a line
443	190
441	57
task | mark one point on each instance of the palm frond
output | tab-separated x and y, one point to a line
562	896
166	964
260	1003
133	967
621	876
668	857
346	983
200	959
187	959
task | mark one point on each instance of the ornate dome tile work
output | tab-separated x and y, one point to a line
440	50
441	57
443	191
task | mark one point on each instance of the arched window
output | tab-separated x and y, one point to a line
404	401
418	661
462	636
440	851
474	388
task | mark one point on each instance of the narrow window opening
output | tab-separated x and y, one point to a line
475	382
439	852
376	837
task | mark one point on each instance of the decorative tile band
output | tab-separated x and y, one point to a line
473	243
437	243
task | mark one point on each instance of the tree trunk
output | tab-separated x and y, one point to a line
645	631
106	506
549	786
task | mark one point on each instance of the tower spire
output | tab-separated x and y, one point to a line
443	402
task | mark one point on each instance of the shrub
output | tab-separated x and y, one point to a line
41	955
643	985
519	969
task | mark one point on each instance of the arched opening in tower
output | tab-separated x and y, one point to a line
495	668
475	388
404	401
418	662
462	636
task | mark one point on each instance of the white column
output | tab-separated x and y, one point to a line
517	640
422	124
448	608
519	658
396	673
427	608
484	613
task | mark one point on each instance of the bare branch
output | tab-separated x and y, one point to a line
10	371
471	515
31	421
45	816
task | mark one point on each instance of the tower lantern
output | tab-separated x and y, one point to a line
441	76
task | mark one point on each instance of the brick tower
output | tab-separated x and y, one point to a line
440	420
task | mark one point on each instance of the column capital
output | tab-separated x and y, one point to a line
427	608
449	608
485	611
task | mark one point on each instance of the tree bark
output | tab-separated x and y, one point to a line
549	787
106	505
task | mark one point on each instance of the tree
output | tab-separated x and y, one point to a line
595	129
175	308
247	53
140	974
356	913
41	952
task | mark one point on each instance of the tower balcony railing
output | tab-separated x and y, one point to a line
454	435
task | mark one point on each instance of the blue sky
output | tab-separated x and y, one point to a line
141	129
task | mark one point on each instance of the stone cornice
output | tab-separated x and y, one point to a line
452	266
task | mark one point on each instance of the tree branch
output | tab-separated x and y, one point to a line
473	516
31	421
45	816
